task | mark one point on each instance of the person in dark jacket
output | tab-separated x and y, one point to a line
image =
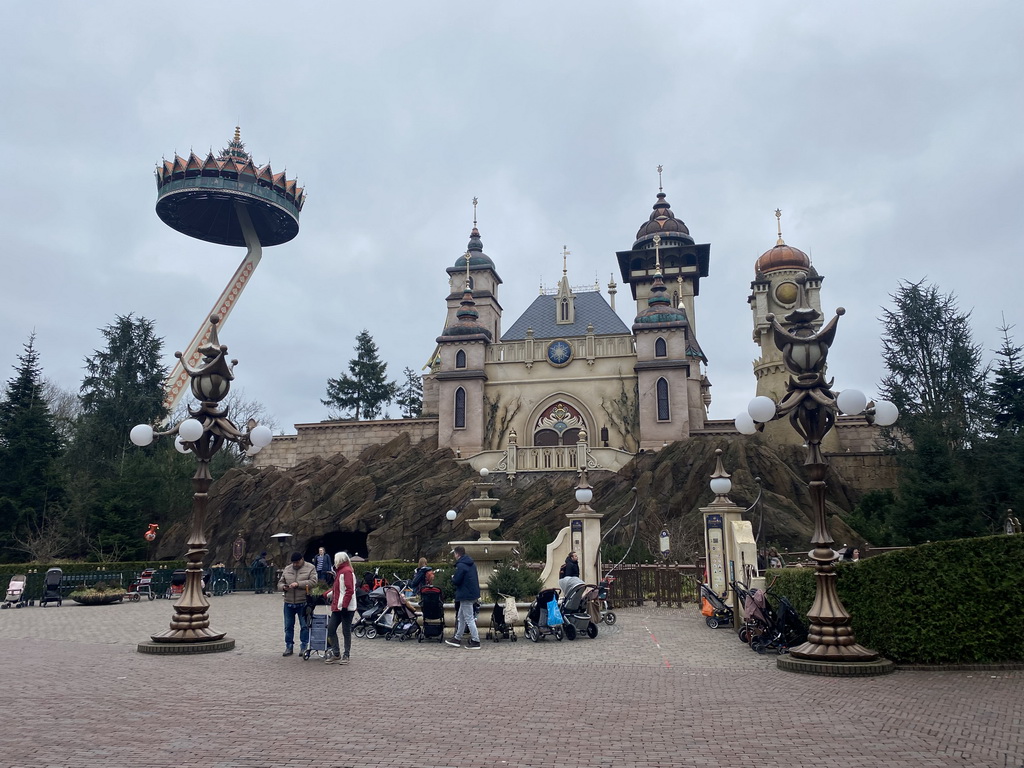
467	592
419	578
571	567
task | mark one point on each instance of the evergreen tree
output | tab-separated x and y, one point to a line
1006	393
410	395
30	447
937	380
365	390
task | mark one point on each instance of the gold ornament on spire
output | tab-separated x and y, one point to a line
778	217
660	168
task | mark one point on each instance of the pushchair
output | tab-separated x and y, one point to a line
142	586
51	587
16	595
503	619
432	608
398	621
579	607
716	613
177	586
607	614
317	623
785	631
536	625
369	607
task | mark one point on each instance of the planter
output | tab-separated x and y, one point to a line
98	599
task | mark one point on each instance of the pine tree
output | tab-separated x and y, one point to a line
410	395
365	390
30	447
1006	393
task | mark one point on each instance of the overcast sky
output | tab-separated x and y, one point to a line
891	135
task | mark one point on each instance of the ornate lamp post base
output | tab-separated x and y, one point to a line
214	646
839	668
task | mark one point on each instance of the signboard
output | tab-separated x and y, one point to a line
666	546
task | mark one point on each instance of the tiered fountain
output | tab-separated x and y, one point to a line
485	551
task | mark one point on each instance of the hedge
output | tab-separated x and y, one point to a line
949	602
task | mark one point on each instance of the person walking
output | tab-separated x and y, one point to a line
467	592
296	579
322	561
258	571
343	608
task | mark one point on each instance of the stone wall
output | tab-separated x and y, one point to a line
348	438
866	471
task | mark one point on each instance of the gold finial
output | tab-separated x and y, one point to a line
474	211
778	217
467	257
238	133
659	179
679	281
565	253
657	253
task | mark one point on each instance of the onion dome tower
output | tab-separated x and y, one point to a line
681	257
226	200
476	268
668	367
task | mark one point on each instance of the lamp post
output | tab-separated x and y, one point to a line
203	434
812	408
450	516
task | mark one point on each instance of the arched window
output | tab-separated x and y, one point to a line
460	359
659	348
460	408
663	411
565	310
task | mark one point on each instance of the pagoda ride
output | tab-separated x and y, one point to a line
226	200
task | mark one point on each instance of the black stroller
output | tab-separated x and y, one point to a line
51	587
369	608
784	631
177	586
538	624
432	608
398	621
577	616
503	619
716	613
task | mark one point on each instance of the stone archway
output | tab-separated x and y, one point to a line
559	424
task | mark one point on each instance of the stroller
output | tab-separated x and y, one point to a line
51	587
503	619
16	596
142	586
716	613
369	607
579	607
784	631
177	585
536	625
317	623
432	608
607	614
398	619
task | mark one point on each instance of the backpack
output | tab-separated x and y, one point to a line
561	571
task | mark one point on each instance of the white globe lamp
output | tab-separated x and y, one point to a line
141	434
261	436
761	409
852	401
190	430
886	413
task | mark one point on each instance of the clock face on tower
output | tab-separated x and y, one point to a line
559	353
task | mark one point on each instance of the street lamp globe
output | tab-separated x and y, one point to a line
450	515
190	430
761	409
141	434
851	401
744	424
885	413
260	436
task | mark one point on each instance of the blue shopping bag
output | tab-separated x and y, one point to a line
554	615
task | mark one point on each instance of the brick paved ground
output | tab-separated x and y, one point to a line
658	689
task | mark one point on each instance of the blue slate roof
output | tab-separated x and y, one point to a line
591	309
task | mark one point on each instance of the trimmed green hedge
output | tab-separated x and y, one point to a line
950	602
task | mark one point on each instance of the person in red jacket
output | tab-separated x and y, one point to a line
343	608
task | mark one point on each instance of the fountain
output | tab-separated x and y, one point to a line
485	551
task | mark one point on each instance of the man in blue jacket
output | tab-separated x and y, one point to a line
467	592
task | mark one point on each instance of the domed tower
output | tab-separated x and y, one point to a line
458	373
683	263
483	282
668	366
783	278
229	201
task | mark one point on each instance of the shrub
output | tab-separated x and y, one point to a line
520	583
949	602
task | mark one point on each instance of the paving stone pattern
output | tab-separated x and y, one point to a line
657	689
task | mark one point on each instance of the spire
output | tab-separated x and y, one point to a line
778	219
235	148
565	254
660	189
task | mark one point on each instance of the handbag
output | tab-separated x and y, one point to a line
554	614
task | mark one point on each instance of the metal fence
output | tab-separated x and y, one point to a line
671	586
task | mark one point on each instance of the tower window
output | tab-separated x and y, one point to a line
663	410
460	408
564	309
660	349
460	359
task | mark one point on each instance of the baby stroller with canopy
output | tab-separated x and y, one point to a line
369	607
503	619
51	587
716	613
607	614
398	619
16	595
432	608
177	586
579	607
784	631
539	624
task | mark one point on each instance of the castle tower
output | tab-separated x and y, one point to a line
668	360
483	282
774	291
680	257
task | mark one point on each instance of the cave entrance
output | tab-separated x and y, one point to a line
353	542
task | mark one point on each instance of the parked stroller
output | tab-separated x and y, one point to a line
577	616
142	586
399	618
785	631
432	609
716	613
51	587
503	619
177	586
16	595
537	626
607	614
369	607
